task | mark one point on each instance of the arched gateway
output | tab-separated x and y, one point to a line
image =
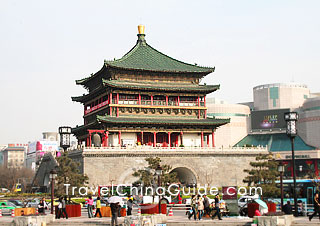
185	176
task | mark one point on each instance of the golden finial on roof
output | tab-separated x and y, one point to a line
141	29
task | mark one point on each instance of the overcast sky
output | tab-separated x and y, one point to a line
46	45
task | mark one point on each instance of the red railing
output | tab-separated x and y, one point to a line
96	107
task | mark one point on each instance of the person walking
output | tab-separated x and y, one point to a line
129	205
316	206
98	206
64	205
200	207
216	207
90	205
194	206
114	211
206	204
59	209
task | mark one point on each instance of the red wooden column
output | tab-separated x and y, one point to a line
205	111
198	106
151	100
178	100
139	100
213	139
106	135
181	138
141	137
90	141
208	140
119	138
166	100
154	139
110	102
202	139
117	103
87	143
169	139
316	167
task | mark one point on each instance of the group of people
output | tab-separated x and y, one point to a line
200	206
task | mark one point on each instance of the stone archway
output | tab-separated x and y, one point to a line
185	176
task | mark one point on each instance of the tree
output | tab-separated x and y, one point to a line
69	173
263	174
10	176
147	175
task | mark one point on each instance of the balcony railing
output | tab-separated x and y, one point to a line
96	107
147	103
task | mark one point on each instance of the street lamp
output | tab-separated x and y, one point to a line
158	173
52	176
291	118
281	171
65	132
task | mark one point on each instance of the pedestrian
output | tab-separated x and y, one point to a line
41	207
129	205
287	208
316	200
98	206
194	206
59	209
89	202
114	211
64	210
44	204
200	207
216	207
206	204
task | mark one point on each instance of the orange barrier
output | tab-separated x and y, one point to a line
106	211
24	211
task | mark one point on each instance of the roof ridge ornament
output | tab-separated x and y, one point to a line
141	35
141	29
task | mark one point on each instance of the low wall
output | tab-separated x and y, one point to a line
33	220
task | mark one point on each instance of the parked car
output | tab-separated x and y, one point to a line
6	207
4	190
32	203
16	202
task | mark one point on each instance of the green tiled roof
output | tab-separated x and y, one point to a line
143	57
275	142
161	121
161	86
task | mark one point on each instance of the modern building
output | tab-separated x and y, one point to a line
268	127
147	98
309	122
37	149
14	156
239	115
279	95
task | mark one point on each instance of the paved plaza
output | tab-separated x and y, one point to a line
179	219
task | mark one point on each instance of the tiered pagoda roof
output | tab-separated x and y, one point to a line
143	57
